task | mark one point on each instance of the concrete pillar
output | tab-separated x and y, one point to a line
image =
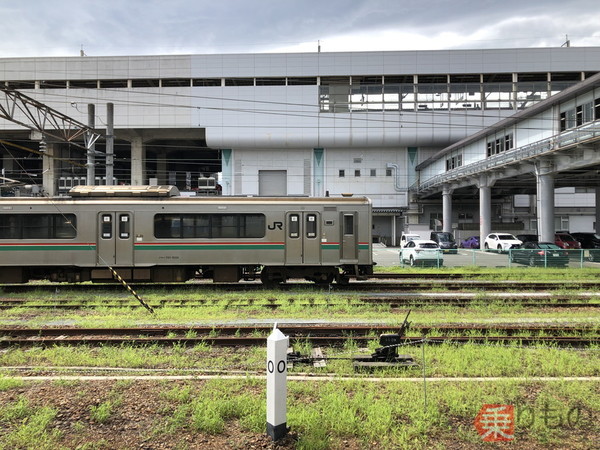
485	212
161	168
91	156
49	169
446	209
110	143
138	158
545	202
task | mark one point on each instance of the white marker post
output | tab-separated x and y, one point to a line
277	345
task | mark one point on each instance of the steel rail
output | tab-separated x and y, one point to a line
297	329
332	341
394	301
404	285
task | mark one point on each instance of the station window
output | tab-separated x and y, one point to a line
302	81
53	84
373	172
270	81
357	173
83	84
206	82
145	83
209	226
342	173
113	84
38	226
499	145
453	162
239	82
21	84
175	82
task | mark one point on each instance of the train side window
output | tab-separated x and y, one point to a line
209	226
10	226
64	227
348	225
124	226
311	225
37	227
106	226
294	226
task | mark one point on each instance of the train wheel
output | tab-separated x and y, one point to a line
271	278
324	278
343	280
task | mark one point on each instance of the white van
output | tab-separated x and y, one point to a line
406	238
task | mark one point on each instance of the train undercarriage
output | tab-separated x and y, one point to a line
268	275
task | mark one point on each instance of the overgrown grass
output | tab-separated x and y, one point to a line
441	360
27	426
391	415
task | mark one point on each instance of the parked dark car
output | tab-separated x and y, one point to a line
527	237
589	241
539	254
445	240
470	242
566	241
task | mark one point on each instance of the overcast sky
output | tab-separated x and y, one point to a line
143	27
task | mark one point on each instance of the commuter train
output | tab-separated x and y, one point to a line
151	234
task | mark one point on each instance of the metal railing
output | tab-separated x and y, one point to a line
513	258
587	133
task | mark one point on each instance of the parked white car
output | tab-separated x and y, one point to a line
500	241
407	237
422	252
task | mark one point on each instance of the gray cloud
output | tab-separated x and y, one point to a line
116	27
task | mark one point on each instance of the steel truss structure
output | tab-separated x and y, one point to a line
43	119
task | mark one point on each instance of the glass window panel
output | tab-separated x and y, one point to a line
294	226
311	226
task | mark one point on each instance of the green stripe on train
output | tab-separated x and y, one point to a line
28	248
210	247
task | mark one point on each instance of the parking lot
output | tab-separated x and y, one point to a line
389	256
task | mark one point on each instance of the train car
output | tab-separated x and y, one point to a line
150	234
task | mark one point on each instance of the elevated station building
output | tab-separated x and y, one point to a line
393	126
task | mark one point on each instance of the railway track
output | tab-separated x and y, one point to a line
537	300
405	285
321	335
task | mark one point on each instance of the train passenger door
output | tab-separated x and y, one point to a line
303	238
115	239
349	231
